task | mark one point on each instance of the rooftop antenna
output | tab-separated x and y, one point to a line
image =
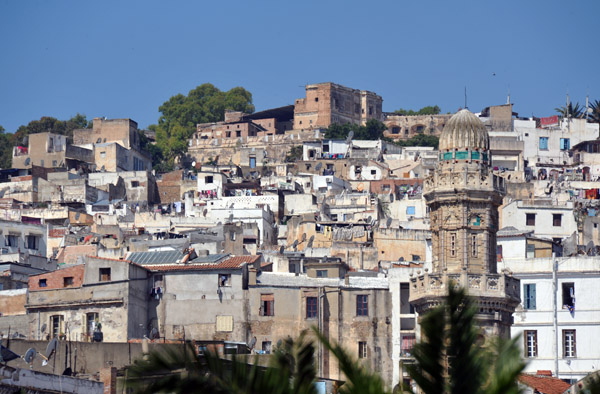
466	107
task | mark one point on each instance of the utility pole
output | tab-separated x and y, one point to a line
555	311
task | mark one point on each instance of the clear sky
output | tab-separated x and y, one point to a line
123	59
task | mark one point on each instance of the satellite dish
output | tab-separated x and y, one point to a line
350	136
295	244
303	237
310	241
7	355
279	343
27	161
194	164
281	249
252	343
30	355
388	222
77	215
44	327
50	350
319	165
99	140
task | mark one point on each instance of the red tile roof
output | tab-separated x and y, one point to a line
231	263
544	384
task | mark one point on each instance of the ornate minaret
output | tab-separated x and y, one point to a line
463	196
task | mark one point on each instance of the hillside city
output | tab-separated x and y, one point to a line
328	213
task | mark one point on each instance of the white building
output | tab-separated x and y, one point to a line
544	218
569	341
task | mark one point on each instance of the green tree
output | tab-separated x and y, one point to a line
180	115
420	140
572	111
373	130
428	110
594	116
451	335
52	125
294	154
6	145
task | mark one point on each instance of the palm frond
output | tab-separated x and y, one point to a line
359	380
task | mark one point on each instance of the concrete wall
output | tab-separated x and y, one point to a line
193	302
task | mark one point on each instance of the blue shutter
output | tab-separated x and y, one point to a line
532	296
544	143
562	144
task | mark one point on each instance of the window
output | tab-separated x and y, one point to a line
33	242
569	343
322	274
54	163
238	133
362	305
102	155
529	296
225	323
568	295
373	172
208	179
565	143
499	252
408	342
253	162
362	349
316	99
68	281
224	280
311	307
531	343
91	322
42	283
473	245
530	219
228	133
232	235
452	244
104	275
12	240
267	304
530	251
56	323
135	183
266	347
557	219
543	143
396	130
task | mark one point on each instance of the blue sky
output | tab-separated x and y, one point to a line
125	58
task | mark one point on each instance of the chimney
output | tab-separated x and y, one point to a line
251	276
108	376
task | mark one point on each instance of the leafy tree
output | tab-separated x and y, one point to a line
570	111
294	154
428	110
453	359
180	115
6	144
420	140
595	114
52	125
373	130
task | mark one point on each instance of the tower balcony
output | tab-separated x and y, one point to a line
435	286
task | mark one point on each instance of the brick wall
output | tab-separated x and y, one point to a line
55	279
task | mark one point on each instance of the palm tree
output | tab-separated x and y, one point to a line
570	111
453	358
450	335
595	114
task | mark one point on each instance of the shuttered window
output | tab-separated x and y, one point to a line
529	296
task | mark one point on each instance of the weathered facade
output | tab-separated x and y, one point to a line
328	103
72	302
463	196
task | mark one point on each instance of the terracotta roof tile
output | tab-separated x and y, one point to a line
544	384
231	263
